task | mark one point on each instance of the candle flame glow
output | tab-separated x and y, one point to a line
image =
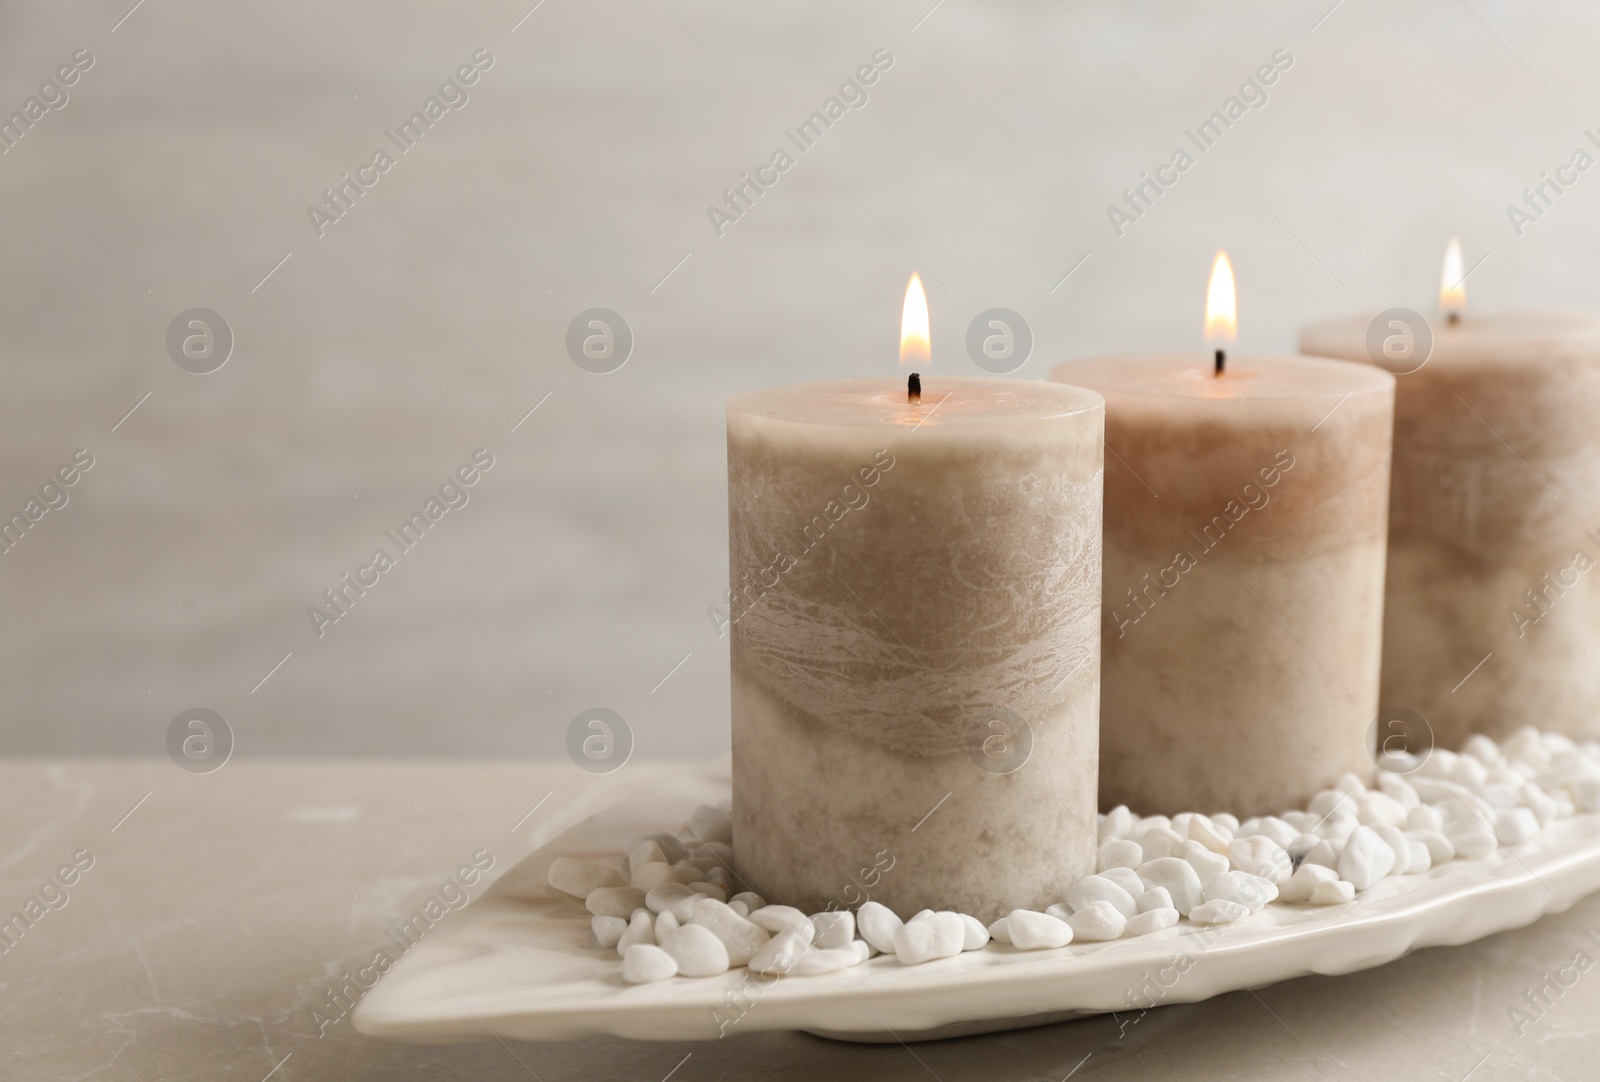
914	345
1452	283
1222	306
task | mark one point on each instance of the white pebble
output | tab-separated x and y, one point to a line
607	930
697	950
1000	932
1326	853
1304	822
878	925
977	936
1261	855
1332	804
1299	886
1338	831
1179	879
686	873
641	929
1154	898
1271	826
1060	911
1205	830
1398	789
1351	784
1225	821
1424	817
1366	859
779	954
645	852
676	897
708	824
827	960
672	849
1439	847
649	876
1513	826
710	890
1250	891
1097	921
1395	839
1421	860
739	907
835	930
1116	823
752	901
1469	771
1152	920
580	878
614	901
1097	888
667	922
644	963
1473	840
785	918
938	935
1526	746
1540	803
1206	863
1218	912
1126	878
1030	931
1378	808
1332	893
1119	853
740	936
1160	841
1481	748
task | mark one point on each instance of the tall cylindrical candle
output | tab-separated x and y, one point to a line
1492	619
1244	553
915	642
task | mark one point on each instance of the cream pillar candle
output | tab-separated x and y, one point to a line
915	642
1244	553
1492	619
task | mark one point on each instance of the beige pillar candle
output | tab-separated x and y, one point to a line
1244	552
1492	620
915	642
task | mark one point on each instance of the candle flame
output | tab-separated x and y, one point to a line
1452	283
1222	306
914	346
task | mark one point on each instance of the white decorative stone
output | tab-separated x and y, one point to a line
1206	863
1366	859
1030	931
1152	920
1179	879
1154	898
827	960
1116	823
835	930
778	955
977	936
1097	921
1299	886
878	924
1513	826
645	963
666	923
1251	891
697	950
607	930
785	918
1000	932
641	929
1262	855
938	935
1333	893
1218	912
1119	853
1126	878
741	937
1097	888
614	901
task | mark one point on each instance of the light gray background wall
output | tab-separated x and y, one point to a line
429	319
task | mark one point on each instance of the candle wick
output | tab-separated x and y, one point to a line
914	388
1452	318
1222	360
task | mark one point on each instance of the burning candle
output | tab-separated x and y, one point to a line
1492	619
914	604
1246	500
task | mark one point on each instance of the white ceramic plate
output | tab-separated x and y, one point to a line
515	964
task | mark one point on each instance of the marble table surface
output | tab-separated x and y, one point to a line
212	918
